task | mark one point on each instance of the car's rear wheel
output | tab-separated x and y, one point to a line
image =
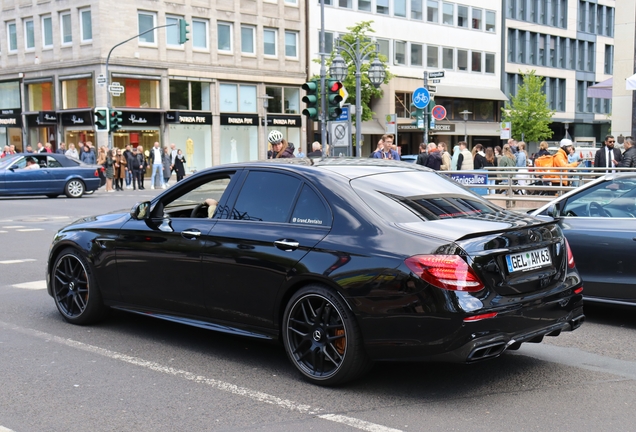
322	338
74	188
75	291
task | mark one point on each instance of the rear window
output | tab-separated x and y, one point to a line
416	196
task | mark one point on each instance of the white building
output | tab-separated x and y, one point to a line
623	101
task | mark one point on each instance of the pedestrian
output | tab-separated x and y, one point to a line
127	153
120	170
40	148
142	173
109	165
316	150
378	148
387	152
173	155
101	160
434	160
479	157
280	147
48	147
72	151
629	157
88	156
607	156
157	166
573	156
166	161
507	158
455	158
422	156
179	165
465	158
61	149
29	149
135	165
446	157
300	153
490	161
521	155
6	152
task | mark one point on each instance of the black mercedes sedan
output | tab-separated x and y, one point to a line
599	221
345	261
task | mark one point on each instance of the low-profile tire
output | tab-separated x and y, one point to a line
74	188
75	290
322	338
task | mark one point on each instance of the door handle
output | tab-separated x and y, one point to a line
191	234
287	245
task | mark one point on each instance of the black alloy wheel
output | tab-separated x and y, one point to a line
322	338
74	289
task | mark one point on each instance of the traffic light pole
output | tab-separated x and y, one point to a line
426	120
323	73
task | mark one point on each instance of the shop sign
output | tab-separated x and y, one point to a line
141	118
10	120
77	118
283	121
239	119
188	117
444	127
11	111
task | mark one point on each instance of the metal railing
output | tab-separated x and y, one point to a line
521	187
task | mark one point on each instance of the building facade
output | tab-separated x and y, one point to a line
208	95
461	38
623	100
571	44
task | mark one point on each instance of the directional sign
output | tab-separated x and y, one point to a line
432	89
436	81
345	94
439	74
421	97
116	89
439	112
344	115
101	80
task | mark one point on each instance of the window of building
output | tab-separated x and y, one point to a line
542	50
86	25
40	96
269	42
476	19
224	34
247	39
590	56
599	19
490	21
490	63
432	11
65	28
344	4
291	44
462	16
12	36
189	95
591	18
448	14
228	98
448	58
476	61
146	21
609	22
572	54
553	51
328	41
140	93
561	101
416	9
10	91
580	56
291	2
382	7
560	50
462	60
172	32
286	100
399	8
400	52
512	45
522	43
29	35
417	51
384	47
47	31
532	52
247	99
364	5
609	59
563	16
200	34
432	56
580	96
582	15
77	93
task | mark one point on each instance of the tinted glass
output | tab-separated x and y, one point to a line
616	197
54	163
310	210
267	197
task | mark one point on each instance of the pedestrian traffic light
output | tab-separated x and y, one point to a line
115	120
183	31
311	99
101	118
334	98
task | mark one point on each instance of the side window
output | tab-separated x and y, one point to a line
266	196
200	202
53	163
310	210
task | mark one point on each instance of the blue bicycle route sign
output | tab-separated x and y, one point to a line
421	97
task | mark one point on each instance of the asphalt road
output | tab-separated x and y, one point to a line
133	373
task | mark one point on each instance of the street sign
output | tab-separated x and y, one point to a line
345	94
101	80
432	89
391	123
436	81
116	89
439	112
439	74
505	131
421	97
344	115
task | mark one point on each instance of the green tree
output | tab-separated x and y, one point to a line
529	111
368	91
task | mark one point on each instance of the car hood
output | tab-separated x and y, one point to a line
101	221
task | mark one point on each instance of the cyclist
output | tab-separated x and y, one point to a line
280	147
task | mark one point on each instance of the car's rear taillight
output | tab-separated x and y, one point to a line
571	263
96	173
449	272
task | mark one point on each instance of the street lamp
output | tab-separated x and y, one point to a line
465	113
358	52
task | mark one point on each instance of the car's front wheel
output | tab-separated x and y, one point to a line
75	291
74	188
322	338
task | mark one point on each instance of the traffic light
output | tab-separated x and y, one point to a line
115	120
334	98
101	118
311	99
183	31
417	114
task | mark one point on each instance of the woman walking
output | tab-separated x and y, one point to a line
179	167
120	170
166	161
109	165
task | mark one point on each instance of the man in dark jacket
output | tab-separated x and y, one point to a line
607	156
423	156
629	157
434	160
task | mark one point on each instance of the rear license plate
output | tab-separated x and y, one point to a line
530	260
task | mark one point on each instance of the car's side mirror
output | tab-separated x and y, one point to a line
140	211
553	211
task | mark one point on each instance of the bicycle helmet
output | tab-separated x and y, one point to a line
275	137
565	142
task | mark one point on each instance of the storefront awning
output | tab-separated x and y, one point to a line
470	92
601	90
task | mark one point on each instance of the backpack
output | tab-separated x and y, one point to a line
546	161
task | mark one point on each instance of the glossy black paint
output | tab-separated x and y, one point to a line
234	278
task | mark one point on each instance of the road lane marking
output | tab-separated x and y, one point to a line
30	229
219	385
3	232
4	429
36	285
17	261
13	226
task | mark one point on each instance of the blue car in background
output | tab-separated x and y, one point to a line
58	174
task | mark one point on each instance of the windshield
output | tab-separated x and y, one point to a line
6	161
